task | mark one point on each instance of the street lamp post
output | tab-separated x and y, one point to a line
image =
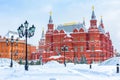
75	56
11	43
90	64
24	31
91	60
64	48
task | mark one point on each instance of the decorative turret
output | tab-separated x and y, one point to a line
84	21
50	24
50	19
93	21
42	39
42	36
49	34
101	23
93	17
101	26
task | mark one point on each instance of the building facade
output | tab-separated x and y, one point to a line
73	41
18	49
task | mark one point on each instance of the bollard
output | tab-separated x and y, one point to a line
90	66
117	71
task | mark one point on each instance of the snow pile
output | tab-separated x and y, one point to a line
50	63
6	62
112	61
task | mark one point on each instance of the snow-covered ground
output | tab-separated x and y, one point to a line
4	62
55	71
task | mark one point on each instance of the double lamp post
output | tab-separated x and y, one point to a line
23	31
11	43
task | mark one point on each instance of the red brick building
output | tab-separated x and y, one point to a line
94	44
18	49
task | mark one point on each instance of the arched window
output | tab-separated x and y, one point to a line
56	49
81	48
48	49
75	39
92	48
75	49
81	38
92	39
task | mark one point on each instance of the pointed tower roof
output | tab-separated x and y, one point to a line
50	19
42	36
93	17
84	21
101	22
101	26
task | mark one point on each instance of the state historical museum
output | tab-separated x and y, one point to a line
72	42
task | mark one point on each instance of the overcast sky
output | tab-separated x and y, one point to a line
14	12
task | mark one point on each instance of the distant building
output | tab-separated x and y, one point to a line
18	50
94	44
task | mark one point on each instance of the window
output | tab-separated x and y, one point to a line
61	39
92	48
92	38
81	48
48	49
75	48
56	39
75	39
48	40
81	39
56	49
92	55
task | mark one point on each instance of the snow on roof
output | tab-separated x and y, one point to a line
112	61
98	50
55	57
94	50
68	34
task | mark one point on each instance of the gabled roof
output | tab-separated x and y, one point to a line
55	31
